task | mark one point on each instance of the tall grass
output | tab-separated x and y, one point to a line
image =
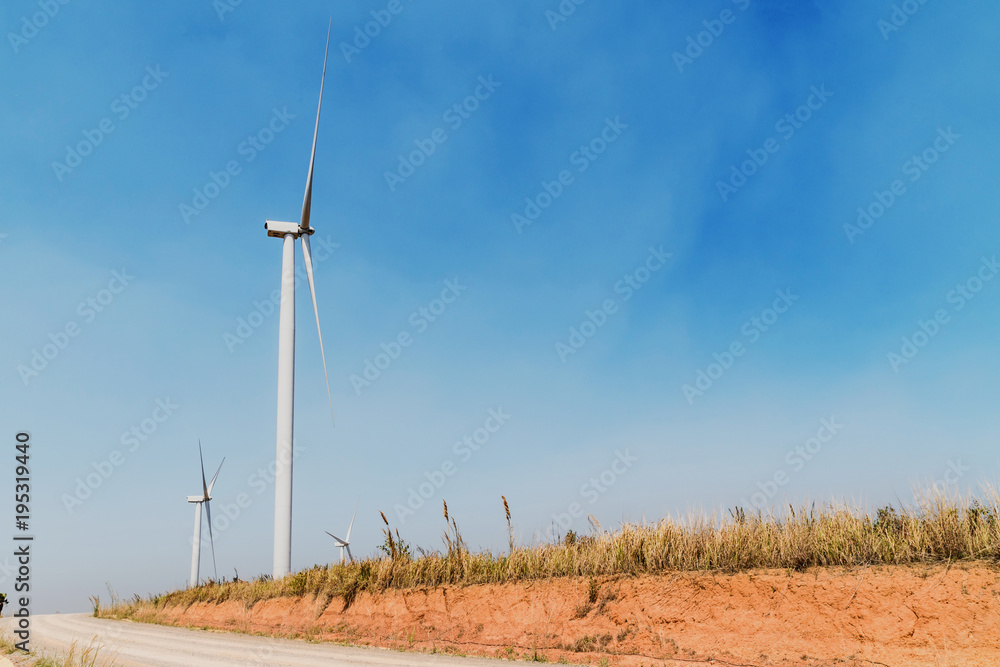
936	528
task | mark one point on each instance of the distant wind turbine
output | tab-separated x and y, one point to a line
289	232
346	543
204	499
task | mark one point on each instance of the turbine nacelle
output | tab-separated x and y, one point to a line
196	499
280	230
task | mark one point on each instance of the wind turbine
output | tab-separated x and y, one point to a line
289	232
198	501
346	543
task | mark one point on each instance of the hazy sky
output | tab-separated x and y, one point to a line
645	217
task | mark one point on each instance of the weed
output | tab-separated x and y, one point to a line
88	657
510	528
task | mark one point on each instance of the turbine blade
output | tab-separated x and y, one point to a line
211	538
352	519
204	485
215	477
307	200
349	552
342	542
307	255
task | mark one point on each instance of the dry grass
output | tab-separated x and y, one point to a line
937	528
87	657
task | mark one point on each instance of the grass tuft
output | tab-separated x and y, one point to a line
87	657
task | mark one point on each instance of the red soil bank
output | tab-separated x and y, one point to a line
897	616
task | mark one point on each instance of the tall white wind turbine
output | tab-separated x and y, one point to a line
204	499
289	232
346	542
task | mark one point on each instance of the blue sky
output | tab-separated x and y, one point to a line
642	139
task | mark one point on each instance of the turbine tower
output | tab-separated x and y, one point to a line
204	499
289	232
346	543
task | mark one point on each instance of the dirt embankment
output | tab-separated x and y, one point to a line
897	616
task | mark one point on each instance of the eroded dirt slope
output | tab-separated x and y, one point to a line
902	616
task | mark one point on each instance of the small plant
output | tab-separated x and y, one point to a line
396	549
979	516
889	522
398	546
593	589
